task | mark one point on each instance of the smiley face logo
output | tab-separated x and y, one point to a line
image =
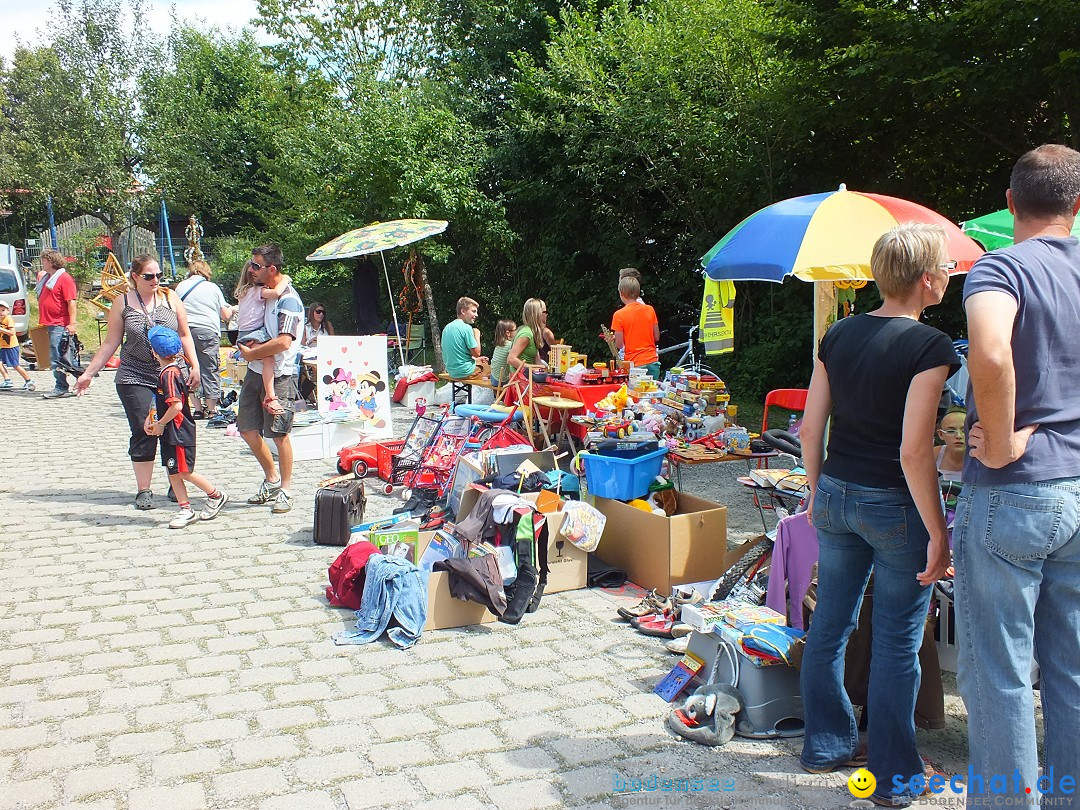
861	783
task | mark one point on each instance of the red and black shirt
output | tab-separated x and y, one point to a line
172	389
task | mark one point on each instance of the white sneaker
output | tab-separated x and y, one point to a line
7	384
29	386
185	517
214	505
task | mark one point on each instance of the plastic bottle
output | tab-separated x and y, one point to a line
791	423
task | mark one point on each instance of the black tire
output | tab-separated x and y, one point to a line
360	468
783	441
342	470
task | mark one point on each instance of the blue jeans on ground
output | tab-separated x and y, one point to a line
860	528
55	334
1017	554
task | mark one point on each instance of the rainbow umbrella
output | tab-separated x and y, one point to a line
822	237
995	230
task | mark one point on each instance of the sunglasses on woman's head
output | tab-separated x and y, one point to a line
151	276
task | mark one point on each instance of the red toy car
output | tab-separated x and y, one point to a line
361	458
618	430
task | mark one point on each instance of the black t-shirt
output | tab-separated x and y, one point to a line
870	362
172	388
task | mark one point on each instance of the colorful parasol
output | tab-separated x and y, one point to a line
995	230
379	237
822	237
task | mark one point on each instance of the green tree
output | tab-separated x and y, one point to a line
210	107
73	107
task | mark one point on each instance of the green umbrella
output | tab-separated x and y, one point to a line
995	230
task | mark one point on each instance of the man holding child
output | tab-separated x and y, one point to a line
284	320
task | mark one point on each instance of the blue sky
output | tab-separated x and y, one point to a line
24	17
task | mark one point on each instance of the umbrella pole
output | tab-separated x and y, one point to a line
393	309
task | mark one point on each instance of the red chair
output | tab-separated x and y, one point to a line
791	399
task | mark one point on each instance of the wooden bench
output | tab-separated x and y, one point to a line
466	386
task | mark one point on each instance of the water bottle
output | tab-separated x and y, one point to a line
791	423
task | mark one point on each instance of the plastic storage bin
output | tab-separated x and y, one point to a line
384	454
622	479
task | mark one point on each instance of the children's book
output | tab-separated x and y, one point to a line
672	684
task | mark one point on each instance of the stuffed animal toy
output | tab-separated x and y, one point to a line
707	717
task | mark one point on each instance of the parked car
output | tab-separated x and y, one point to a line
13	288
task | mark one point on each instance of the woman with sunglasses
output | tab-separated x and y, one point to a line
875	503
317	324
145	305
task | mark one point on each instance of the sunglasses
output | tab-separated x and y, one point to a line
319	311
151	276
257	266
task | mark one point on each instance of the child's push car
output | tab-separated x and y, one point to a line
361	458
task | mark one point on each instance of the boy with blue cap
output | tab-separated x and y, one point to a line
174	424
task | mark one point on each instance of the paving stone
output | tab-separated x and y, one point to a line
169	714
519	763
236	702
186	763
245	784
60	758
17	739
396	755
190	796
304	800
215	731
28	793
59	708
325	768
94	725
290	717
391	790
145	742
88	781
526	795
452	777
253	750
473	740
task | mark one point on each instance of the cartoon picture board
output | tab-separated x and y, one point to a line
352	380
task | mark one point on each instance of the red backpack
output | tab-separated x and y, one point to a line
346	587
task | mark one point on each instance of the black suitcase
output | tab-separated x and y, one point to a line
338	508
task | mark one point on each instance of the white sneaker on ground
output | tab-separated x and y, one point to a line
214	505
29	386
282	502
185	517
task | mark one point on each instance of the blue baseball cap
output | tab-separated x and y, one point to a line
164	341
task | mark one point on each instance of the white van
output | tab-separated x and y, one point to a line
13	288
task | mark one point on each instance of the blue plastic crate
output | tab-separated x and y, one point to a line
622	478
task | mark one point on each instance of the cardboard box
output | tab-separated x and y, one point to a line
661	552
568	565
443	610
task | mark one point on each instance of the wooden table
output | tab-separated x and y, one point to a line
557	405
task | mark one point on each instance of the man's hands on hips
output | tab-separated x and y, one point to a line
996	455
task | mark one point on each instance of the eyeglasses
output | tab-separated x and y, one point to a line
952	431
950	266
151	276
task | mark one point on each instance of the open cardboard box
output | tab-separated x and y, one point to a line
443	610
660	552
568	564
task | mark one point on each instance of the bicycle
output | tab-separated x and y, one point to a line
688	361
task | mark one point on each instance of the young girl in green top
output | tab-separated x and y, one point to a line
504	338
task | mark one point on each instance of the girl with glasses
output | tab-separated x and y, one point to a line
950	455
317	324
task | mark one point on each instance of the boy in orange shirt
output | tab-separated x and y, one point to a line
636	328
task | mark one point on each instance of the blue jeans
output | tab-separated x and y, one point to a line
55	334
860	528
1017	554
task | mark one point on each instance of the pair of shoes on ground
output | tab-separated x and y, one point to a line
223	418
272	492
661	625
188	516
654	603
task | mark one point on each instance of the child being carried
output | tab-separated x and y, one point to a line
251	326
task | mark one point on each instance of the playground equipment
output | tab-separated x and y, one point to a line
114	283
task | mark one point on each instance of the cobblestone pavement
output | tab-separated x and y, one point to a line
145	668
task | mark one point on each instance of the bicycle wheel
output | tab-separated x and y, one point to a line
701	368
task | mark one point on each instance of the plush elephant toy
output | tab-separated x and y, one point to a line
707	716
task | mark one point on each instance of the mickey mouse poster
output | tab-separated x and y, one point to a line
352	381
